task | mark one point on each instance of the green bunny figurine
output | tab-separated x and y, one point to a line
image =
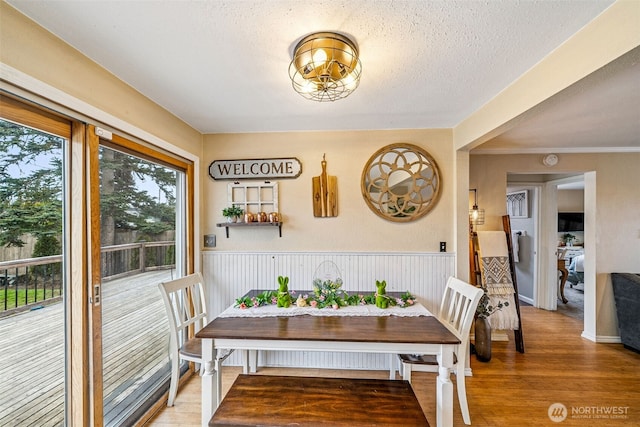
284	299
381	299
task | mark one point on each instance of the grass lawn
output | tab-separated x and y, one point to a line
24	296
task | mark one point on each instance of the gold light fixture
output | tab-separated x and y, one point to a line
476	216
325	67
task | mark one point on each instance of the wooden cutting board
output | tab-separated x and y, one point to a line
325	193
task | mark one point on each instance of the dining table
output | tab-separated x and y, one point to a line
366	329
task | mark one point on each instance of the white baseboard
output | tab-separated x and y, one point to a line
499	335
608	339
604	339
525	299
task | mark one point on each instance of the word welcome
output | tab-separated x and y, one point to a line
255	168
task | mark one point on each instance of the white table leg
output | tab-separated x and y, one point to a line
392	366
211	382
245	361
253	364
444	388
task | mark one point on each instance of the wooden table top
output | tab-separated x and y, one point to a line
392	329
309	401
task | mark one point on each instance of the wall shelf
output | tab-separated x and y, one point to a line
227	225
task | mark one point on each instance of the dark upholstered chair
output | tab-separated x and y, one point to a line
626	291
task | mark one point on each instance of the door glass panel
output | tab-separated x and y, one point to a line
139	247
32	286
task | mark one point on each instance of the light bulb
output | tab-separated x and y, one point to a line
319	58
350	82
308	87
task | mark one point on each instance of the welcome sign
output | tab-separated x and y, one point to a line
255	169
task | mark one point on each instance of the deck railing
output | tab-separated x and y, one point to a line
133	258
29	283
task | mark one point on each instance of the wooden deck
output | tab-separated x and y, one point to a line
32	353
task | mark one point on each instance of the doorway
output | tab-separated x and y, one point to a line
546	239
570	202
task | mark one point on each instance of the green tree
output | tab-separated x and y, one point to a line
123	206
30	184
31	190
45	246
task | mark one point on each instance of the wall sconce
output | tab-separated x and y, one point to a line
476	216
325	67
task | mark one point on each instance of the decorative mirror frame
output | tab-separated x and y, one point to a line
383	168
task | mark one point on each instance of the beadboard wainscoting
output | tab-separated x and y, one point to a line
229	275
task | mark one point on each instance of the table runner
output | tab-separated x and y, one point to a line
416	309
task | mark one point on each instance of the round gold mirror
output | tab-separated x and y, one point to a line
401	182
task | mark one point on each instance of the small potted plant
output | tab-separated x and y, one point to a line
568	239
232	213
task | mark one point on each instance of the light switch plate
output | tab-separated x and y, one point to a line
210	241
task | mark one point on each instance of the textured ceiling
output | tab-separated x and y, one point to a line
221	66
599	113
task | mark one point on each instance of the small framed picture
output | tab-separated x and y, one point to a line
518	204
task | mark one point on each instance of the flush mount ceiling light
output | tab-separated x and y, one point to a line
325	67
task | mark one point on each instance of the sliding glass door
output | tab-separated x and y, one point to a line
142	239
89	226
33	285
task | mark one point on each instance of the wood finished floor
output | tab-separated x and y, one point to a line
513	389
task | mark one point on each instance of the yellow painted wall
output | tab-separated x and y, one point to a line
33	50
570	201
355	228
617	200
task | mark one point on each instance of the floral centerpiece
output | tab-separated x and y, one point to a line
326	294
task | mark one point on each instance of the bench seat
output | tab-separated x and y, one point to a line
310	401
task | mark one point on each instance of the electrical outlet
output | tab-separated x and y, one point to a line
210	241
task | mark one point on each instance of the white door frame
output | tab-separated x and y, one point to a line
547	290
